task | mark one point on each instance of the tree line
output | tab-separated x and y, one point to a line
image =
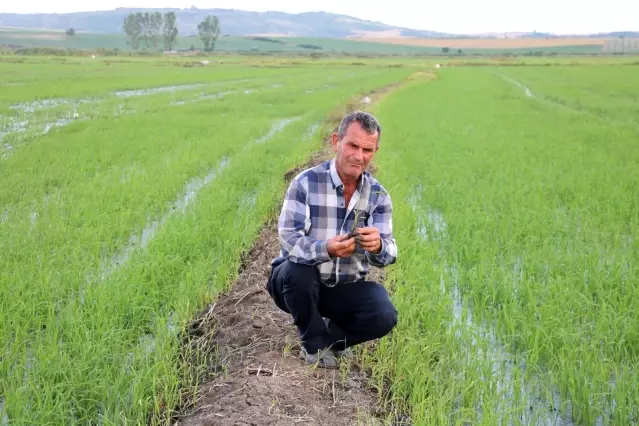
152	28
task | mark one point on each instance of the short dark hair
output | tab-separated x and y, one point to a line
367	120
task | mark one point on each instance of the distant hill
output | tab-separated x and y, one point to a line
620	34
233	22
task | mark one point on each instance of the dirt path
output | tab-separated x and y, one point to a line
261	380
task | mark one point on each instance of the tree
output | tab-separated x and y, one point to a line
155	31
170	30
132	27
445	49
144	28
460	52
147	33
70	32
209	31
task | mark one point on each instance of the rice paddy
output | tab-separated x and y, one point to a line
130	191
517	212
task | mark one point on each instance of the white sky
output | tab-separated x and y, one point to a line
455	16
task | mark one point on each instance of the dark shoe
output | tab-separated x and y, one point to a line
346	353
323	359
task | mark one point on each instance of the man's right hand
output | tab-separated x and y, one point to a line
341	246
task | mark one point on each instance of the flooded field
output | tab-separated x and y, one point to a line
132	192
520	265
124	209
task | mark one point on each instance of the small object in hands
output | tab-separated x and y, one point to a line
354	234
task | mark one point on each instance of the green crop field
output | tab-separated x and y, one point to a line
83	40
131	189
517	194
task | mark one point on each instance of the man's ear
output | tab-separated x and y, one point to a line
334	141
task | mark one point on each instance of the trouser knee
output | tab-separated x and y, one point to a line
385	322
300	279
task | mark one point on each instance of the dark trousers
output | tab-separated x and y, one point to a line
358	311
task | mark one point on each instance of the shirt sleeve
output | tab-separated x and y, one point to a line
293	225
382	219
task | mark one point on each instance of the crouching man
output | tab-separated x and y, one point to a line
320	275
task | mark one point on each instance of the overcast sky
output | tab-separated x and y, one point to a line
457	16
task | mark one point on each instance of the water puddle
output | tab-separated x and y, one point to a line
518	84
140	241
156	90
4	417
541	99
248	201
312	129
41	116
276	128
203	97
42	104
480	339
13	127
60	122
214	95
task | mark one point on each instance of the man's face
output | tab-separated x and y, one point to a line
355	150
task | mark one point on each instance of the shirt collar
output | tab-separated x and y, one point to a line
337	181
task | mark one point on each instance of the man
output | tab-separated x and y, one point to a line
320	275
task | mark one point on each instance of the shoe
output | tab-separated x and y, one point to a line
346	353
323	359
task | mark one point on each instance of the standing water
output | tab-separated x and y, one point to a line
510	369
185	197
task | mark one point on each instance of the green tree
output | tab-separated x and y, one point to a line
445	49
70	32
147	33
209	31
132	27
155	29
170	30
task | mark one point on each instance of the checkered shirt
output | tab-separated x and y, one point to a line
313	212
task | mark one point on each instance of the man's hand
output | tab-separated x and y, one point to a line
370	240
341	246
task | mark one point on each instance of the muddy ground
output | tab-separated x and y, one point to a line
260	378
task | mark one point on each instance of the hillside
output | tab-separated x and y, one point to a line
234	22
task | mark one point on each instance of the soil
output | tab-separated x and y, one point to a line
260	379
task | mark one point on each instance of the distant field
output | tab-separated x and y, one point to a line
487	43
276	44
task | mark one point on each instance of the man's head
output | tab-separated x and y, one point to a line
355	143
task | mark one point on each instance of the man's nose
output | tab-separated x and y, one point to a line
359	154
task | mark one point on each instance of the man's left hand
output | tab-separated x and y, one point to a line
370	240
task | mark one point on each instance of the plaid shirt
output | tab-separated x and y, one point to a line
314	211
